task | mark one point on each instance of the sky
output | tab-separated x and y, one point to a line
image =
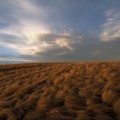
59	30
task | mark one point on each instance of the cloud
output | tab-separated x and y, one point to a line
29	35
50	45
57	43
32	38
20	22
63	43
10	59
55	31
109	13
60	39
111	28
96	52
6	52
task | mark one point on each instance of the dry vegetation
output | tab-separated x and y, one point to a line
60	91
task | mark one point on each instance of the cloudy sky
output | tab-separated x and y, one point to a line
59	30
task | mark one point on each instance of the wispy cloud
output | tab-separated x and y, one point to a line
63	43
111	28
57	30
29	35
22	27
